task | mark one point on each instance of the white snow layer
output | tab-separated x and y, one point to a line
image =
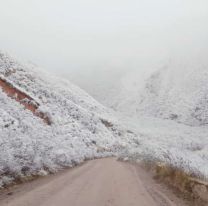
28	146
181	146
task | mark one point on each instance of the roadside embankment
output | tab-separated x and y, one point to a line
186	185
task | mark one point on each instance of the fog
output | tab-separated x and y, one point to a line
75	38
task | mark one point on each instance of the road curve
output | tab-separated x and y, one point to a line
103	182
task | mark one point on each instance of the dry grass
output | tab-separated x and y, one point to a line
189	187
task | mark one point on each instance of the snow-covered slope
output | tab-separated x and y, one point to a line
80	128
177	92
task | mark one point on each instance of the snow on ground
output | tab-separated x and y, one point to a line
113	86
81	127
181	146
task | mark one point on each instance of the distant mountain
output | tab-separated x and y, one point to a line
113	87
178	92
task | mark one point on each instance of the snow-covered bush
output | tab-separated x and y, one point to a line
28	146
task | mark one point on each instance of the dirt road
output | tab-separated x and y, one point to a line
104	182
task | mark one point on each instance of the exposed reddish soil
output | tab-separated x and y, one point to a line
24	99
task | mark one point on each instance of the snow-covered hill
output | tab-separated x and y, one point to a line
177	92
47	123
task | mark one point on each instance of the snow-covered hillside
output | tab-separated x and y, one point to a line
178	92
77	126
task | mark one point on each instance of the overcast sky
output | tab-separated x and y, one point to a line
65	35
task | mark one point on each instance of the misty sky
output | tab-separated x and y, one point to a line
65	35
